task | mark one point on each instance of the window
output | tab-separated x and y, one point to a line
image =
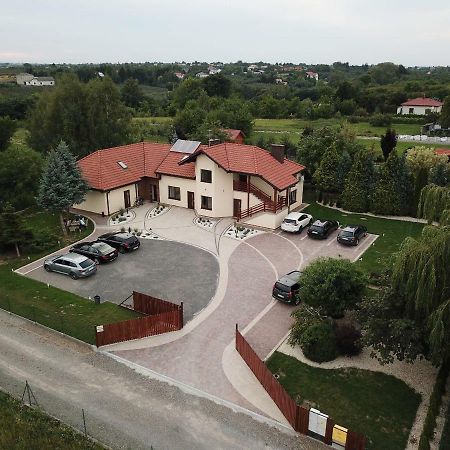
427	111
206	176
292	196
206	202
174	193
411	110
122	164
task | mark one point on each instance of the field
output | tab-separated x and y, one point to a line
391	234
380	406
23	428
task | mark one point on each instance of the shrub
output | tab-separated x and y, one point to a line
348	338
319	342
40	241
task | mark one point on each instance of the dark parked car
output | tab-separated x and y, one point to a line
320	229
97	251
286	288
351	234
76	266
122	241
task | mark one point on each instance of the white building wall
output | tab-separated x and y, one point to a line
243	197
116	198
221	189
185	185
261	184
418	110
95	202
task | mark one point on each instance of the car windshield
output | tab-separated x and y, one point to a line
102	247
282	287
85	263
346	233
290	221
316	228
130	240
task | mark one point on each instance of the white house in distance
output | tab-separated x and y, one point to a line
23	78
420	106
252	185
313	75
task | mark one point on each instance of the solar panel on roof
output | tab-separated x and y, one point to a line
183	146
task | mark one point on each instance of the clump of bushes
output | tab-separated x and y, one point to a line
348	338
319	342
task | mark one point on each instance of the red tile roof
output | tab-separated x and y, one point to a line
234	134
171	166
102	171
248	159
442	151
422	101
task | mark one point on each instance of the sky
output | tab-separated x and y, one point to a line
408	32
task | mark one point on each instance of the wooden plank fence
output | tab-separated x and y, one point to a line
296	415
161	317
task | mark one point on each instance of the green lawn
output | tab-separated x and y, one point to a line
362	128
391	234
23	428
380	406
49	306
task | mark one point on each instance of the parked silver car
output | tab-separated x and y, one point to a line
72	264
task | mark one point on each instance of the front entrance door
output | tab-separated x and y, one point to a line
154	193
191	200
126	198
237	207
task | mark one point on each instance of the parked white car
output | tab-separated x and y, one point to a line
294	222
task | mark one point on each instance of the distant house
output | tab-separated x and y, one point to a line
236	136
420	106
180	75
41	81
281	81
23	78
251	184
214	70
313	75
201	75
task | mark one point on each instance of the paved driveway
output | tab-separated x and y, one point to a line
164	269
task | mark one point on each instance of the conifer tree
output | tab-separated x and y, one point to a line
359	184
61	183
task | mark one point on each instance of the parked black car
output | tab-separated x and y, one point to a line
97	251
320	229
122	241
351	234
286	288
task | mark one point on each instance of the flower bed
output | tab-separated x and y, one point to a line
240	232
121	217
157	210
204	222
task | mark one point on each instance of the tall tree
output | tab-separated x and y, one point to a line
445	113
359	183
217	85
440	174
327	177
388	142
61	184
393	189
12	229
19	176
434	202
131	93
7	129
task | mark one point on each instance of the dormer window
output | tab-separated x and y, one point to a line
122	164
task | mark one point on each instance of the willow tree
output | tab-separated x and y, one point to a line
434	202
421	273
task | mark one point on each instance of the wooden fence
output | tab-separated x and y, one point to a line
296	415
161	316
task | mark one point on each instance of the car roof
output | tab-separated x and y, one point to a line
294	215
290	278
75	257
320	223
351	227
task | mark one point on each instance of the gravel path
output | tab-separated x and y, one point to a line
420	376
123	409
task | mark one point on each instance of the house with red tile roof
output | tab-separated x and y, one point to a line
251	184
236	136
420	106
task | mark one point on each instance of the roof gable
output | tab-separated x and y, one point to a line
422	101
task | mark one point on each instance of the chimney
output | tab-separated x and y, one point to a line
212	142
277	151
